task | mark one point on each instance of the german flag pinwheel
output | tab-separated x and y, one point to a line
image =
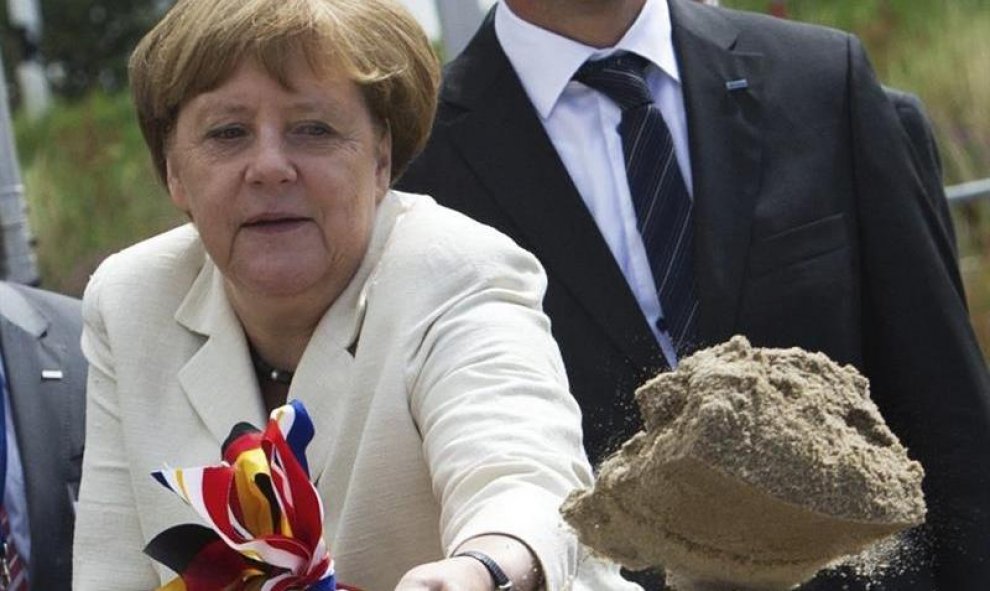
264	516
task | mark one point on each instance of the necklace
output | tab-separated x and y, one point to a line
268	372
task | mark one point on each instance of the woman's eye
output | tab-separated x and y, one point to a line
230	132
313	129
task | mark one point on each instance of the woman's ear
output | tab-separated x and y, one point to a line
383	161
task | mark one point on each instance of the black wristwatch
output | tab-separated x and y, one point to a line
502	582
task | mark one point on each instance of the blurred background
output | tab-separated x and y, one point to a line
90	189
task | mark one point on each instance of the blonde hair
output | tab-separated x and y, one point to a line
199	43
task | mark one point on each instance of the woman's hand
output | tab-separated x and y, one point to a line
464	573
453	574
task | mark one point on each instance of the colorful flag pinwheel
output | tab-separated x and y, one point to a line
264	515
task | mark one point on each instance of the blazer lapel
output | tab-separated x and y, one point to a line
38	422
324	378
219	379
534	189
722	95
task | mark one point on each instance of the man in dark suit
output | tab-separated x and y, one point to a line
44	379
812	226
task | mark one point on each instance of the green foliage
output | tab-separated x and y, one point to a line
90	185
950	70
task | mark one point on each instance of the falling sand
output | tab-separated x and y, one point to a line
756	468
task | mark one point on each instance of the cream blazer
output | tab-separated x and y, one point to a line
438	395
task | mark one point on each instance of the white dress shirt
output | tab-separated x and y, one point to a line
582	125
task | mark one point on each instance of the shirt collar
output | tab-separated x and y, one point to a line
545	61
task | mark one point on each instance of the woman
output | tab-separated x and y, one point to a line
413	335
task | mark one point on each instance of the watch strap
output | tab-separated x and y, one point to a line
502	582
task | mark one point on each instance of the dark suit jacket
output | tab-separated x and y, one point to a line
813	228
40	331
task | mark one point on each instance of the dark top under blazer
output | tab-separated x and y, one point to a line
40	331
812	228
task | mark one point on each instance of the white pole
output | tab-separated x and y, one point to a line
17	262
25	17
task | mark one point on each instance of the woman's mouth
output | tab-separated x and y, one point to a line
275	224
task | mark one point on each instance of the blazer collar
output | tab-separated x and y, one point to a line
219	379
20	313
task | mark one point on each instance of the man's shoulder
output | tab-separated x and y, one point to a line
907	103
759	33
33	308
765	24
50	300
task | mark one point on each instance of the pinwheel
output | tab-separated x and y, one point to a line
264	518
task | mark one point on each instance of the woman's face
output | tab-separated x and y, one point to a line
282	183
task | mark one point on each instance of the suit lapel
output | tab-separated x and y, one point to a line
39	423
724	137
532	186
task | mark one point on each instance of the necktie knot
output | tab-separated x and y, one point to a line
620	77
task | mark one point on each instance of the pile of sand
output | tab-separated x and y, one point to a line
757	467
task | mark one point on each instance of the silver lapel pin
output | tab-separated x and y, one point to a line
51	374
740	84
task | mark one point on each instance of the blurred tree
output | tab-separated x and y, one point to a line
86	43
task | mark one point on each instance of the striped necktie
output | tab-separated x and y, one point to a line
660	198
13	571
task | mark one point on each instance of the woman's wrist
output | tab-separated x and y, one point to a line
499	579
510	556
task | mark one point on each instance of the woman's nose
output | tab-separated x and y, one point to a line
270	162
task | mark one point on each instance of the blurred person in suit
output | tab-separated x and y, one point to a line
810	221
42	381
